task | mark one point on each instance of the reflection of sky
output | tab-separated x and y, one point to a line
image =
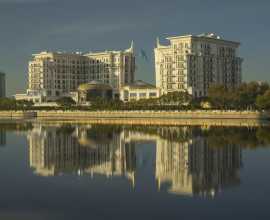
73	195
31	26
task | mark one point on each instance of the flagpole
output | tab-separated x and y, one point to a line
139	66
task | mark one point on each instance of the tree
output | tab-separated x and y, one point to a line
8	104
240	96
175	98
65	102
264	86
217	95
196	102
250	91
263	101
24	103
106	103
253	89
11	104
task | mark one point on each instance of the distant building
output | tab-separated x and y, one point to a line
139	90
54	74
2	85
191	63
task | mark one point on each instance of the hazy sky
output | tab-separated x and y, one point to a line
31	26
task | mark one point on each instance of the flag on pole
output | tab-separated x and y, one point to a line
142	54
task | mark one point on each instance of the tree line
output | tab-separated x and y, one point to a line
244	96
240	97
214	136
11	104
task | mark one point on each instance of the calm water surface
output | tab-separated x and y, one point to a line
92	171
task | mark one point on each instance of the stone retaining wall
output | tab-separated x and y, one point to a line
154	114
18	114
138	114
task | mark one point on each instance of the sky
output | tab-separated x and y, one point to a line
32	26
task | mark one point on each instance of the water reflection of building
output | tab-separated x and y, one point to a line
85	149
183	160
2	138
193	168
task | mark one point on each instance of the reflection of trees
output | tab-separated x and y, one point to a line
215	136
101	131
170	133
237	136
65	129
264	136
106	129
16	126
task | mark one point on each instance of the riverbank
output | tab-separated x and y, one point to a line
199	114
18	114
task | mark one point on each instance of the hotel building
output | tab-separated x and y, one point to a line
138	90
53	74
190	63
2	85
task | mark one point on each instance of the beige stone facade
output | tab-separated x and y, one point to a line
54	74
190	63
138	90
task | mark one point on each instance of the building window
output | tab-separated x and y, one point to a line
180	86
152	94
143	94
133	94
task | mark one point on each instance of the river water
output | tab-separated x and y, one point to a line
105	171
